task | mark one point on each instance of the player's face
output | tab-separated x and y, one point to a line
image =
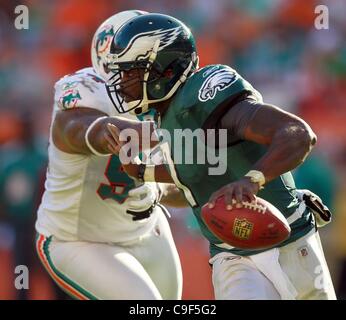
131	84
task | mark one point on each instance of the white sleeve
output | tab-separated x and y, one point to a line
82	89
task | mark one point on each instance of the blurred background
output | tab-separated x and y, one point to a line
272	43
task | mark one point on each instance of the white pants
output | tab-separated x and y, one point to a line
295	271
147	269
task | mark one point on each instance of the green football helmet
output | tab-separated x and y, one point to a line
160	50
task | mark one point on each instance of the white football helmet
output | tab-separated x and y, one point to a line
103	37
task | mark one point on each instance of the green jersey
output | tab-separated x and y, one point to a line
192	106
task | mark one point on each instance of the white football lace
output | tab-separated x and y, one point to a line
254	206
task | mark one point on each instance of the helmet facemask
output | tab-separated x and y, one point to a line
125	87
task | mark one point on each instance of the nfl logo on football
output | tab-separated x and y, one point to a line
242	228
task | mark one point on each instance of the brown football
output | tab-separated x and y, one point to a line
255	226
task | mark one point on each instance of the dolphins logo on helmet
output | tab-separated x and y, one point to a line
103	37
103	41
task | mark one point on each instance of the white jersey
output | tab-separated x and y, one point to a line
85	197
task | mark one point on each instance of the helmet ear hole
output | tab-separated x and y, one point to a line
168	73
138	111
106	69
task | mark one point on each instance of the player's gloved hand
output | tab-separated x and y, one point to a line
235	193
321	212
143	199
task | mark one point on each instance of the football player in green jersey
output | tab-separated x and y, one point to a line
155	67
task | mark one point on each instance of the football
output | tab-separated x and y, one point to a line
255	226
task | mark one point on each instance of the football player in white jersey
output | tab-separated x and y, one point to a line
101	235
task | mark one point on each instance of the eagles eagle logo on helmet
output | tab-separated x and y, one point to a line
166	38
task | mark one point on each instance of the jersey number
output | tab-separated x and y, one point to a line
119	182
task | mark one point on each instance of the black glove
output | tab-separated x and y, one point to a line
321	212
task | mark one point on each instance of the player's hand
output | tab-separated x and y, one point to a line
112	137
141	136
144	196
321	212
235	193
142	200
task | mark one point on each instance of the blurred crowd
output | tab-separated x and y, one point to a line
273	43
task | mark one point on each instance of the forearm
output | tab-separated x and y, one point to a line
289	139
173	197
288	149
75	137
161	175
70	128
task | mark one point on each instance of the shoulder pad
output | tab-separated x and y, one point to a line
206	89
83	88
220	82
